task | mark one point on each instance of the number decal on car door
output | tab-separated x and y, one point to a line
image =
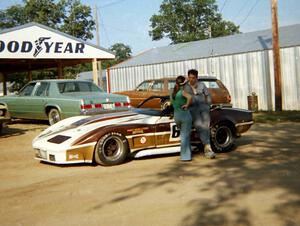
175	132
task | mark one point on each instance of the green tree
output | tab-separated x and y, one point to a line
68	16
189	20
121	51
78	21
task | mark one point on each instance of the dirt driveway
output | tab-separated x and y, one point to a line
256	184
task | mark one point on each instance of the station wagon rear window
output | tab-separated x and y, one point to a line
211	84
71	87
144	86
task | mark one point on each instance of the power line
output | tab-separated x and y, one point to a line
105	31
250	11
242	8
112	3
223	6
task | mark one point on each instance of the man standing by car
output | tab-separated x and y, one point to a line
200	110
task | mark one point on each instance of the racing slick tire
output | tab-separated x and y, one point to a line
222	137
53	116
111	149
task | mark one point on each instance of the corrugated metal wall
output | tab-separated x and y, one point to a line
241	73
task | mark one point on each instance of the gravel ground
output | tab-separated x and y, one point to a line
255	184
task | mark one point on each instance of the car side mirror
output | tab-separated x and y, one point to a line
16	93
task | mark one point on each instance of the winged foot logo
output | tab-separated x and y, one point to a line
41	44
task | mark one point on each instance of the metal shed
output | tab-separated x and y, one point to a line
244	62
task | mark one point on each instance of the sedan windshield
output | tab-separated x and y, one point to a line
75	86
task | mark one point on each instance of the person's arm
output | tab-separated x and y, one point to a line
206	94
188	98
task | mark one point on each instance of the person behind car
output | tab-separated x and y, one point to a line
181	101
200	110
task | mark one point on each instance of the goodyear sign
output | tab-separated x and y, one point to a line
40	42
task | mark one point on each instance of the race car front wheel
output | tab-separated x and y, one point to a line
111	149
222	137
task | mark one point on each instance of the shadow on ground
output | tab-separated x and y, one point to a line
271	161
11	129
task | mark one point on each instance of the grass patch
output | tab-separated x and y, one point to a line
272	116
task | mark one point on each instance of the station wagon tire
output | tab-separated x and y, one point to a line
222	137
111	149
1	126
53	116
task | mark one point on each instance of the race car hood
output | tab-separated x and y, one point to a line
78	126
77	121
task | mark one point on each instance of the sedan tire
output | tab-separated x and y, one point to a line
111	149
222	137
53	116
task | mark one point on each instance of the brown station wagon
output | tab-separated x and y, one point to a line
164	86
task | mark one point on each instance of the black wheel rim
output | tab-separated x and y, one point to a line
113	148
223	136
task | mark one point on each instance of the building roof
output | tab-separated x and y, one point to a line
20	42
227	45
34	46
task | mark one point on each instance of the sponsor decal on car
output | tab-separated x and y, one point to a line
143	140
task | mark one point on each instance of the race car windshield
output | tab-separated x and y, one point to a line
148	111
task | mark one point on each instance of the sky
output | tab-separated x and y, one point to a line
128	21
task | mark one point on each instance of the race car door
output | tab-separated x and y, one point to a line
166	133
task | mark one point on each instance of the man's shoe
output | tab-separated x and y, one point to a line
208	152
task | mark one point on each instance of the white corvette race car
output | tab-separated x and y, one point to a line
108	139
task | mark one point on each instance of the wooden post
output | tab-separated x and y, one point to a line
100	72
95	72
4	84
29	74
276	57
60	70
108	80
99	81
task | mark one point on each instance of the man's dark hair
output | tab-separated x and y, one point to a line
193	72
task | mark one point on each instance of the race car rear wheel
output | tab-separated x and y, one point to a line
222	137
111	149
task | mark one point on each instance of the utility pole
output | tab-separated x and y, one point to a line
98	44
276	57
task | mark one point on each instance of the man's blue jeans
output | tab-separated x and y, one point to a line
201	121
183	120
